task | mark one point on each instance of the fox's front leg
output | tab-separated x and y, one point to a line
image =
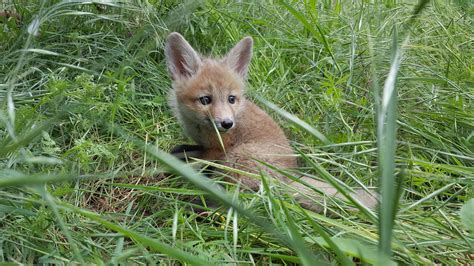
185	151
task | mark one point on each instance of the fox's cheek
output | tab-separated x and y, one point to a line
201	109
202	112
237	108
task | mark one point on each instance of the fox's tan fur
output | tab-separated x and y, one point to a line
254	135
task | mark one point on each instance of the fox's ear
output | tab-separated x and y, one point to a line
182	60
239	57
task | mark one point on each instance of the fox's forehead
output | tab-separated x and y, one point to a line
214	76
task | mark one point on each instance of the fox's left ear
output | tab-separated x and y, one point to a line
239	57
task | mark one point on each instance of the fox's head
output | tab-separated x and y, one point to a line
207	92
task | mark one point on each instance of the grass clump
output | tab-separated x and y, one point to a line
360	88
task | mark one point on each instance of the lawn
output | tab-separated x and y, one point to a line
378	94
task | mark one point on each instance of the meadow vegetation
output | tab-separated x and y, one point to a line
371	93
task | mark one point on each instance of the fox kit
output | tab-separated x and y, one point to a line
208	100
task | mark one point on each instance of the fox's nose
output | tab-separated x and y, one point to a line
227	123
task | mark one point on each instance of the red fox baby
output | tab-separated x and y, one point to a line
208	100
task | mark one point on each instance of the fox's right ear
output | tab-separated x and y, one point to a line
181	59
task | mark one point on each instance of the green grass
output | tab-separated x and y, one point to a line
369	93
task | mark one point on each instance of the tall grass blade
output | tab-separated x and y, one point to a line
142	239
317	33
352	247
59	219
386	136
343	259
33	179
335	183
306	257
11	144
386	141
213	190
302	124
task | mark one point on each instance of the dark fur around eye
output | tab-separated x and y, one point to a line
232	99
205	100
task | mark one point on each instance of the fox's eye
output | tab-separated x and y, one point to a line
232	99
205	100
